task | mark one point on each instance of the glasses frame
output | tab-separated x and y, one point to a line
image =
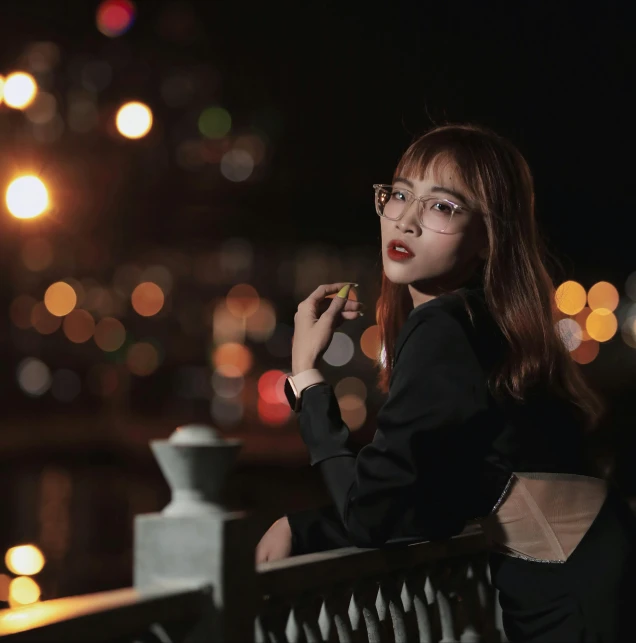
420	199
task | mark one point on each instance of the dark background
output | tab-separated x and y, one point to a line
337	91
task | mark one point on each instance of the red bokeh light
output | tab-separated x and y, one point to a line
271	387
115	17
273	414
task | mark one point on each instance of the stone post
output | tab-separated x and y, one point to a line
195	540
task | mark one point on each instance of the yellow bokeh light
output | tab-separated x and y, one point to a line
603	295
110	334
601	324
147	299
20	89
570	297
27	197
24	560
242	301
24	590
232	358
134	120
581	319
60	299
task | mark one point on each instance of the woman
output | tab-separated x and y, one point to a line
486	410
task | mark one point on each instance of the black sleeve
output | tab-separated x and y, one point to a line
413	479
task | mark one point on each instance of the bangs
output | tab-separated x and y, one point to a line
434	153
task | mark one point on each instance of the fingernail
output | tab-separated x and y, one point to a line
344	292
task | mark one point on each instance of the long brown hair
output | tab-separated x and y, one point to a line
518	289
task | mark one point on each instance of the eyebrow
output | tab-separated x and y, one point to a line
435	188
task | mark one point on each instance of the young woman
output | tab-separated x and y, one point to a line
486	411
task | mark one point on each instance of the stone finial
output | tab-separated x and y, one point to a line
195	460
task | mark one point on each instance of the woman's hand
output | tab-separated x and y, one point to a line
276	543
313	333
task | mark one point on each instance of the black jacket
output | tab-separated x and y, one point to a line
444	449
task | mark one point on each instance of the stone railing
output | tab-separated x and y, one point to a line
195	578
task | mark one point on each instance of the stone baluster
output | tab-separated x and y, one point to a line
195	539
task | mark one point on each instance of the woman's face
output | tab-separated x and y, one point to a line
436	260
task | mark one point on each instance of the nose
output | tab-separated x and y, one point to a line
410	222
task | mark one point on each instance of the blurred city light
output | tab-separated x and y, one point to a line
353	411
147	299
630	286
237	165
42	109
110	334
20	311
231	358
27	197
2	81
23	591
134	120
24	560
5	581
370	342
581	319
78	326
226	412
34	376
242	300
340	350
43	321
115	17
228	382
215	122
225	326
60	299
271	387
570	297
570	333
142	359
628	331
19	90
586	352
601	324
37	254
260	326
273	414
351	386
603	295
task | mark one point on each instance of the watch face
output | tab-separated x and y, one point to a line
290	393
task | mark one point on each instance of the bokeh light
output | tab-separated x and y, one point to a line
273	414
115	17
42	109
134	120
570	333
226	327
24	560
340	350
27	197
242	301
237	165
271	386
43	321
351	386
60	299
20	311
229	382
261	325
370	342
78	326
601	324
628	331
24	591
147	299
110	334
34	376
215	122
4	587
225	412
37	254
1	89
581	319
630	286
233	355
66	385
142	359
353	411
159	275
570	297
20	89
586	352
603	295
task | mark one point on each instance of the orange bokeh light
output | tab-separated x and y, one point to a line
110	334
60	298
78	326
147	299
603	295
570	297
142	359
601	324
242	300
43	321
370	342
586	352
232	359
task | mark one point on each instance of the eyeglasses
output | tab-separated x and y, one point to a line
434	213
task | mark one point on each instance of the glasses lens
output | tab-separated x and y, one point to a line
438	214
390	202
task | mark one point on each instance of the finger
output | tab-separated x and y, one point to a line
323	291
352	314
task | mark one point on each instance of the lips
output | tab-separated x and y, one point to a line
397	248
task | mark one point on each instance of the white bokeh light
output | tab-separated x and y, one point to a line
570	333
34	376
340	350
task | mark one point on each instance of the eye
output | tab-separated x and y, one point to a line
443	207
398	196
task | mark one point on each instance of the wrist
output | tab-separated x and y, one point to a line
299	367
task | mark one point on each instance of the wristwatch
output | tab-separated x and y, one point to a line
294	386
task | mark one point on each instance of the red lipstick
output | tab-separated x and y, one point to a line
398	251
